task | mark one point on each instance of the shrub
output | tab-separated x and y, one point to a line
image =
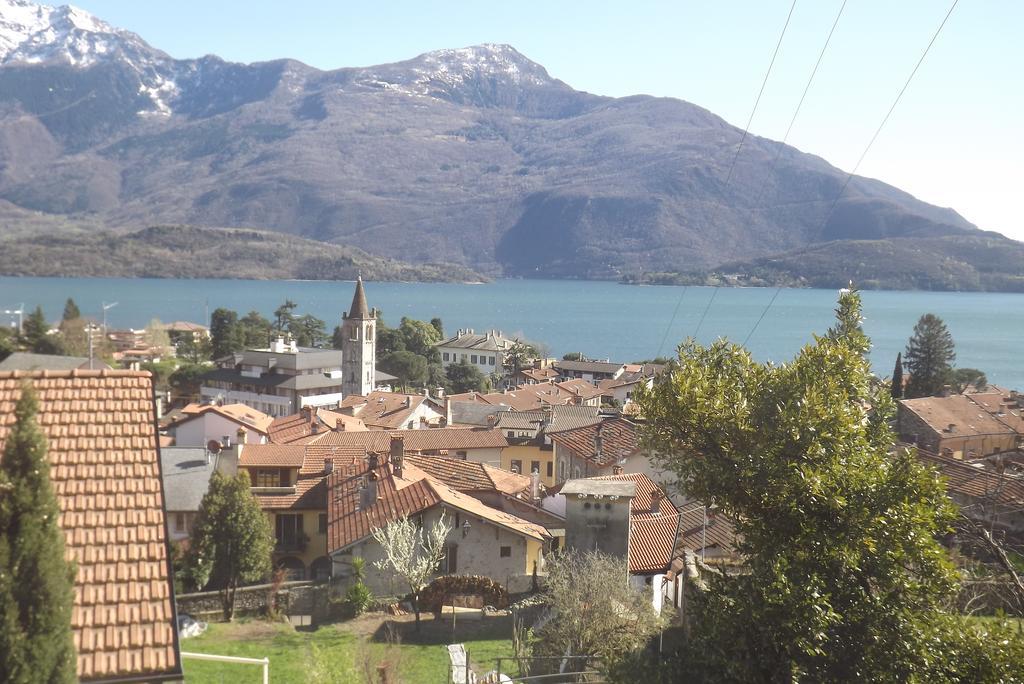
358	599
439	591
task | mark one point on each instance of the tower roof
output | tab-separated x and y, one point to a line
359	309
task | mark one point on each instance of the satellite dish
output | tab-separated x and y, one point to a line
213	446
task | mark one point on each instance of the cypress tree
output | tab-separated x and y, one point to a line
71	311
929	357
36	582
896	389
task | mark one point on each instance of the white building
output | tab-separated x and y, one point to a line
359	345
486	352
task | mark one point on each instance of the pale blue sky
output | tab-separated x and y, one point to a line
955	140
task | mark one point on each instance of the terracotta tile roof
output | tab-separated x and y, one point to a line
387	409
413	493
279	455
539	374
305	426
101	431
717	534
185	326
973	480
619	440
588	366
531	397
968	417
428	439
238	413
652	536
467	476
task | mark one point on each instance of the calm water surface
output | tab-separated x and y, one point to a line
600	319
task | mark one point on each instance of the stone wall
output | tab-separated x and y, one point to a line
293	598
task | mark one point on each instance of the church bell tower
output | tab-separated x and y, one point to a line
359	345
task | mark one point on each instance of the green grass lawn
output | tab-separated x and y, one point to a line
343	652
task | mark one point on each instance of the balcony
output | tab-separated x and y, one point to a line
291	544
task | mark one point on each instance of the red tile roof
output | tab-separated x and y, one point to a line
238	413
427	439
976	481
101	433
387	409
470	476
303	427
652	535
619	440
279	455
412	493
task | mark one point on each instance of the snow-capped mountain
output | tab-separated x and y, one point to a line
34	34
474	155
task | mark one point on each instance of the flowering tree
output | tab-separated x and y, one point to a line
412	553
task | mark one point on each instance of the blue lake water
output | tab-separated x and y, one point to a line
600	319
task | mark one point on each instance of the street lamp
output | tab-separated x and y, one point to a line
105	308
20	313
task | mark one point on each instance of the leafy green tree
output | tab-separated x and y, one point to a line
967	378
36	582
7	343
256	331
162	371
409	368
466	377
896	386
193	348
849	326
308	331
225	335
419	337
574	356
439	327
231	541
388	339
71	311
284	315
36	334
929	357
845	581
187	378
436	376
519	355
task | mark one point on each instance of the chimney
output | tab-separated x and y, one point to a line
447	411
598	443
397	455
328	465
439	392
241	436
535	485
547	416
426	393
492	420
656	498
315	427
408	402
306	412
227	460
372	462
616	469
951	427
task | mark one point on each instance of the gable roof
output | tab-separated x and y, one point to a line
619	440
466	339
387	409
102	445
974	480
241	414
397	497
27	361
302	427
469	476
186	476
652	535
428	439
588	366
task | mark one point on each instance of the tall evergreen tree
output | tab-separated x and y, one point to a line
71	311
896	388
225	334
232	540
36	582
929	357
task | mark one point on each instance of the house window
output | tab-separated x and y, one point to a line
288	532
270	477
551	467
463	357
535	467
490	360
506	551
179	522
461	455
576	472
321	523
473	358
517	466
369	333
561	470
511	433
450	562
444	356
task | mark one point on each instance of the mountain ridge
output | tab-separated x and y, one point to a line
475	156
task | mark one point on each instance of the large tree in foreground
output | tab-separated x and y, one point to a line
232	540
846	580
36	582
929	357
412	554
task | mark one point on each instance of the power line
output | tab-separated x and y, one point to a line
871	142
739	148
